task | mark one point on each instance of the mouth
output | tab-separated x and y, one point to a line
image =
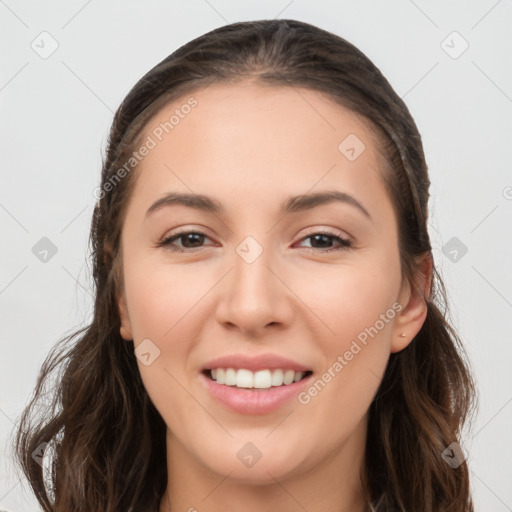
260	380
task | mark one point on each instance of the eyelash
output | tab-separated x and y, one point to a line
344	243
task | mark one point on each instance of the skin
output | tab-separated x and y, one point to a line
250	147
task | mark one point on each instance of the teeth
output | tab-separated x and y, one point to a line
277	377
230	378
288	376
262	379
297	376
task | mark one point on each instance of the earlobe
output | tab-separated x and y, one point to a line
415	306
126	328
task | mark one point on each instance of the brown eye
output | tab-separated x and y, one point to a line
189	241
322	242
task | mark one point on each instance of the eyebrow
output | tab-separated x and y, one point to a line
292	204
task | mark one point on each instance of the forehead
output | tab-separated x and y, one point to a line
259	142
273	117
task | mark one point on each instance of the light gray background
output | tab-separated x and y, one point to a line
55	115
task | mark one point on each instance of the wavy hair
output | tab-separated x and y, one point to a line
106	438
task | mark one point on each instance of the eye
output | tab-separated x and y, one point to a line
324	237
189	240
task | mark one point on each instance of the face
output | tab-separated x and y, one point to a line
311	286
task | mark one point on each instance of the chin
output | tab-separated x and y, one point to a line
255	463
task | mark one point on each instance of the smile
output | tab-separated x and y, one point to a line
262	379
244	397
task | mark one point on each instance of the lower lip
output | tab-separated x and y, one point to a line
253	401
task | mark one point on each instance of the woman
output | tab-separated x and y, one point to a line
228	365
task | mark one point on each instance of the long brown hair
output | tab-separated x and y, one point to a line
107	440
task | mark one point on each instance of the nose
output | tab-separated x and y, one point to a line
254	295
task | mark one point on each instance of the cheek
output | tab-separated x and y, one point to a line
350	298
357	304
165	307
158	297
161	303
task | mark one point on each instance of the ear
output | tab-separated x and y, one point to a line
126	327
414	301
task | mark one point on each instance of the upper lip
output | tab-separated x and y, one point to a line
255	363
